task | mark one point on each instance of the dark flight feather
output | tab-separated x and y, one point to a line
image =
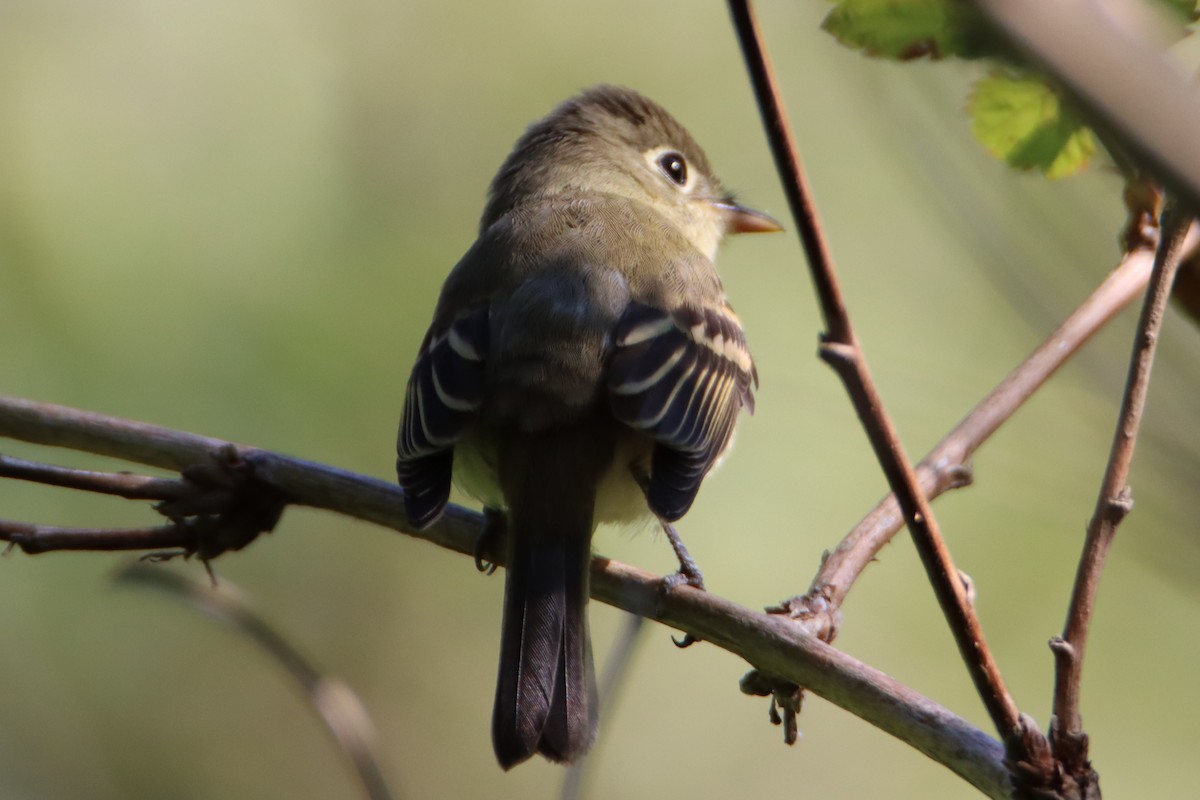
444	393
680	377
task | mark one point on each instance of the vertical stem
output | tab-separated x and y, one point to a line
945	466
791	171
1114	499
840	349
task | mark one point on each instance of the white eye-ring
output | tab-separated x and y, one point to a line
672	165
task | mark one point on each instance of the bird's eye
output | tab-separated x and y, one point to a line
674	166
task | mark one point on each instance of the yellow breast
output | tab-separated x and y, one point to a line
619	499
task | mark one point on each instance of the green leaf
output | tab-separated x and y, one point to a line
905	29
1184	10
1026	123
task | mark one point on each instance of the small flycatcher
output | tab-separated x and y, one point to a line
583	366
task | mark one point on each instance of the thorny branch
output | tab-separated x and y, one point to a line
947	466
769	642
1112	504
840	349
214	507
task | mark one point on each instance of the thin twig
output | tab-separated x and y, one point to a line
791	172
625	646
215	507
1114	499
840	349
336	704
947	465
121	484
34	539
768	642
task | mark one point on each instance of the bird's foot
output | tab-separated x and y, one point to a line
495	527
688	574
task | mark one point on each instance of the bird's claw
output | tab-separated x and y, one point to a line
494	529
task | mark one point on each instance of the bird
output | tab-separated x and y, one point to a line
583	366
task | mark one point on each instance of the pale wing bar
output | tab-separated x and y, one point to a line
680	377
445	391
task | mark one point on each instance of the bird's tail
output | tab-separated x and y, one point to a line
546	699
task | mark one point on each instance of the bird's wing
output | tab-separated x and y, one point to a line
680	377
444	393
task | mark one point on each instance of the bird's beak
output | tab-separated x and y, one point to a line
739	219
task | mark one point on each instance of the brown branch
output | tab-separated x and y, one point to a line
840	349
218	505
947	466
794	181
121	484
771	643
1127	87
35	539
335	703
1113	502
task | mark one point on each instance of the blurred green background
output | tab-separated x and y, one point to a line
233	218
